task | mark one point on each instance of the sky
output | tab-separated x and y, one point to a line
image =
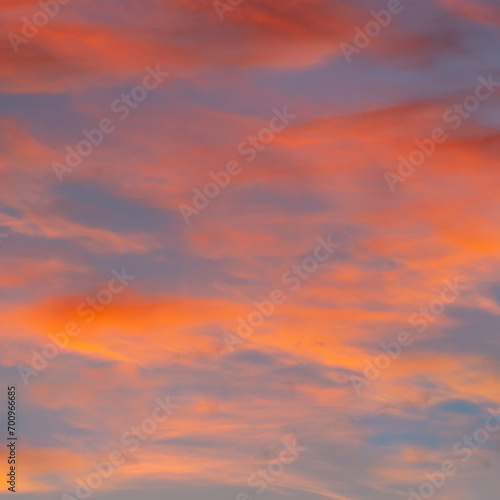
249	249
